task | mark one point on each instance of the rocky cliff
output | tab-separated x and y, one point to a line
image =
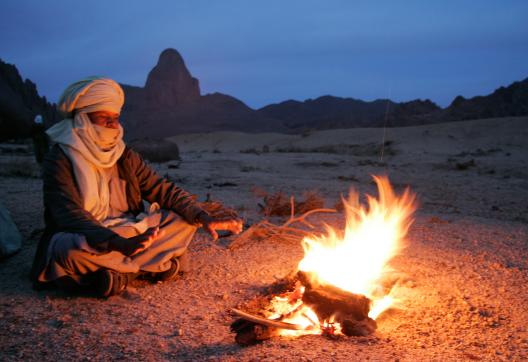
19	103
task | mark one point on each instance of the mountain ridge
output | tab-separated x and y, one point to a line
221	112
171	103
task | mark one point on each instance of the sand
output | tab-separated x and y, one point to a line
464	271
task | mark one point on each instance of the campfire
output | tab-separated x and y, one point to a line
341	286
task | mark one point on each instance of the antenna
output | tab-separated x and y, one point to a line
385	125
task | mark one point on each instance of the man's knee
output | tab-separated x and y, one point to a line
67	255
65	249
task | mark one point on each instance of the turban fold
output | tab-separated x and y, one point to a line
91	95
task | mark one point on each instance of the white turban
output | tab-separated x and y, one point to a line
91	95
91	148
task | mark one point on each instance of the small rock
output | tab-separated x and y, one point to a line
485	313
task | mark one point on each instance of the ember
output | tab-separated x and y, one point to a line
338	289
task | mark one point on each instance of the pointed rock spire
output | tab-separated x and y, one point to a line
169	83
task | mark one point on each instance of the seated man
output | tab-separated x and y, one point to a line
97	229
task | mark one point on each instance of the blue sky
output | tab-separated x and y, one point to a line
264	52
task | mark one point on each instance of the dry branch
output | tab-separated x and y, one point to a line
279	204
265	230
301	219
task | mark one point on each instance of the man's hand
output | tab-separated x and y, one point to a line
138	243
211	225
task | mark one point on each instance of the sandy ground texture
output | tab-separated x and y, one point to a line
463	274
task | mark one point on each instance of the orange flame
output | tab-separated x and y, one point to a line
357	260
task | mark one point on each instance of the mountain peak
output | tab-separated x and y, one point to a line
170	57
170	83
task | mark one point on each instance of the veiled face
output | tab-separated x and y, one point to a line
105	119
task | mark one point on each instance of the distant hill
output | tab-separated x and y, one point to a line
333	112
329	112
20	103
171	103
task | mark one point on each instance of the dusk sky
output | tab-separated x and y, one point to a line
265	52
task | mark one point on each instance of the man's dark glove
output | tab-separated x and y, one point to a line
135	244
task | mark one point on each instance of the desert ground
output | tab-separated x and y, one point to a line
463	272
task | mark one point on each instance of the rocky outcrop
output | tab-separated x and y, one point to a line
503	102
10	238
169	83
19	103
412	113
170	103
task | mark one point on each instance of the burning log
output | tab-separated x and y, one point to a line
347	310
329	302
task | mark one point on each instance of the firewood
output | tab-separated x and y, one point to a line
327	303
278	204
328	300
265	230
250	333
266	322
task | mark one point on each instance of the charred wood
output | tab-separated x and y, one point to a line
328	301
250	333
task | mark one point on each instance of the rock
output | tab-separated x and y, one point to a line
10	238
169	83
156	150
20	103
